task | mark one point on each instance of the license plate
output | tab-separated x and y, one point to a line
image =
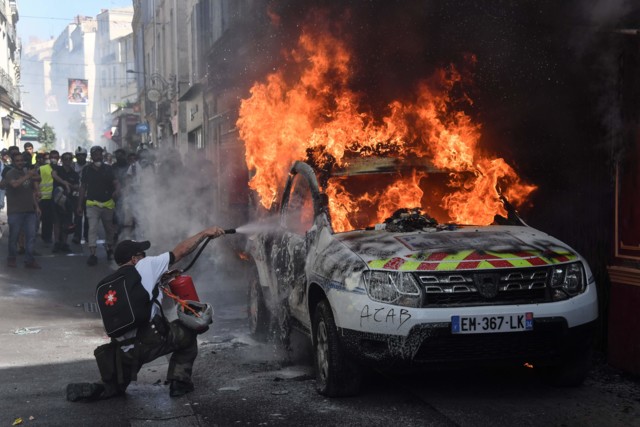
492	323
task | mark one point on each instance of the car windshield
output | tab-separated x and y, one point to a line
360	201
368	192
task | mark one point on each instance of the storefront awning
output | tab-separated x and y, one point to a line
193	91
14	109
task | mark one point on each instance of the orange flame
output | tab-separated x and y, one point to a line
285	118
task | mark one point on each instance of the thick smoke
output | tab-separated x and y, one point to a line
172	199
608	28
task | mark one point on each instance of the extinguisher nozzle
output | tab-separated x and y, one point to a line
230	231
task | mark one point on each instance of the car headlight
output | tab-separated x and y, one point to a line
392	287
567	280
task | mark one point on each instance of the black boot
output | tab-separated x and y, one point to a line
180	388
84	391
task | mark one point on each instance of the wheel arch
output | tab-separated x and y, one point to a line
316	294
262	273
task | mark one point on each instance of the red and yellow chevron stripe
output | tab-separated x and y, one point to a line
471	260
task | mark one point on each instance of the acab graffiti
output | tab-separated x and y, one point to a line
391	315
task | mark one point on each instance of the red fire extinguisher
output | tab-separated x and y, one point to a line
182	286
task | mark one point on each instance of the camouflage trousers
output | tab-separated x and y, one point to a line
158	338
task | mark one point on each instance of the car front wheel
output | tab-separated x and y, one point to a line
336	374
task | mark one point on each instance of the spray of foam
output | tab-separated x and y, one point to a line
261	226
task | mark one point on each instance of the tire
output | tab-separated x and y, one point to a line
571	371
336	374
259	318
281	325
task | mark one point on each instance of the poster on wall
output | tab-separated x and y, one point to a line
78	93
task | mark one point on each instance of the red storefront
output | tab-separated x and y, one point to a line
624	304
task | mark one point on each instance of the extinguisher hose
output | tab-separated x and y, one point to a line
206	242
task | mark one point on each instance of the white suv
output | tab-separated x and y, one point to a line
412	293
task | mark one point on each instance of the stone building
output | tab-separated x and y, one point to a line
13	118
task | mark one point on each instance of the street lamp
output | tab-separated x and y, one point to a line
158	87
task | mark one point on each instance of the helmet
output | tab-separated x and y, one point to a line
198	323
81	150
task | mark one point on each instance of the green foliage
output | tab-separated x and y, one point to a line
47	137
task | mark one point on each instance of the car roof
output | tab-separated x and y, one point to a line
383	165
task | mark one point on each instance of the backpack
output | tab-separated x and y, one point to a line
123	302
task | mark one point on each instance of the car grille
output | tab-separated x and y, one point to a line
512	286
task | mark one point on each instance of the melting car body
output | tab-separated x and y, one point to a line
411	293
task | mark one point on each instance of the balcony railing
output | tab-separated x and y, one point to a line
6	82
11	32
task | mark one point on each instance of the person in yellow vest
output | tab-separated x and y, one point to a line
46	196
98	188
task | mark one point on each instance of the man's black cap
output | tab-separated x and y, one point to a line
127	249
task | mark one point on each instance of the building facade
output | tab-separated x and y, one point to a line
191	52
90	56
13	117
116	90
162	67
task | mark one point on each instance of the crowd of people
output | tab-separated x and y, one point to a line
83	195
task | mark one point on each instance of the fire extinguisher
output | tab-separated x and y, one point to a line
182	285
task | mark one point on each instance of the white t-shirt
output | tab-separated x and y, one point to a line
150	268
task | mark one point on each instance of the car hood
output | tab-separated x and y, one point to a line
465	248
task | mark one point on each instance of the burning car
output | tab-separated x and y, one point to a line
415	292
355	265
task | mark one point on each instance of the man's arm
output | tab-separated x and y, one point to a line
15	183
187	246
35	188
81	194
82	191
60	181
116	189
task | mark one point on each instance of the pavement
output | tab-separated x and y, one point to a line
49	328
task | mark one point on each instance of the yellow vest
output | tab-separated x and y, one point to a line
109	204
46	185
